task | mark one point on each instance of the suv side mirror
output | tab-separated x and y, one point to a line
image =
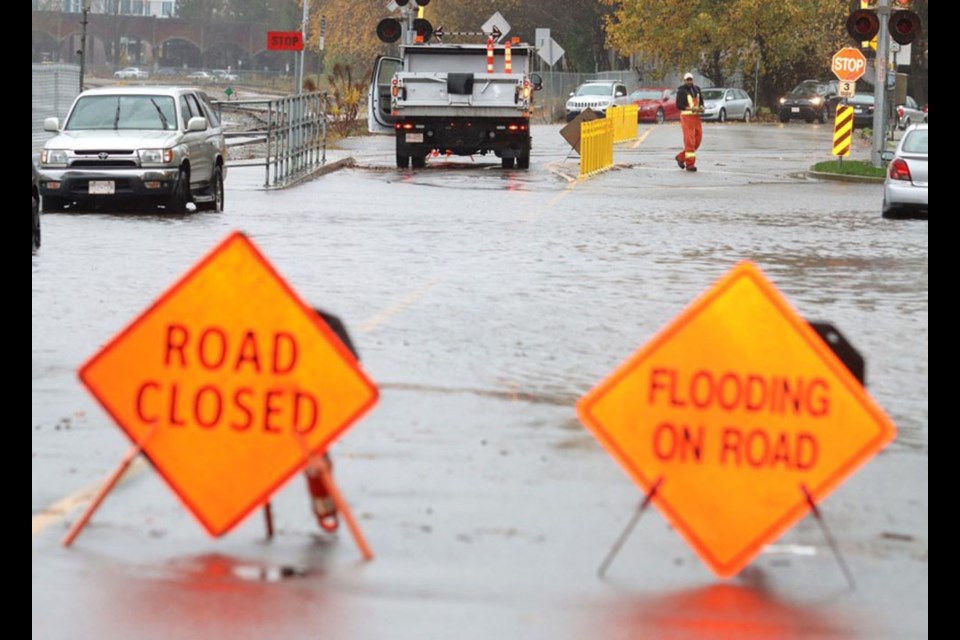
51	124
886	156
197	123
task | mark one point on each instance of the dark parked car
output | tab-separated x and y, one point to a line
810	100
863	106
36	208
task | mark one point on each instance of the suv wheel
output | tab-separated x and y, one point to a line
181	193
659	116
216	190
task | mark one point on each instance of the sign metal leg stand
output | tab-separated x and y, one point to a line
342	506
106	488
268	519
630	525
826	534
319	463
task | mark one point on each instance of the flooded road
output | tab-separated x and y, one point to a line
484	303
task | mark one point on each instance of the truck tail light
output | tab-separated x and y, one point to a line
900	112
394	88
899	170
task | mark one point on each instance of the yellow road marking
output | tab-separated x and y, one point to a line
64	507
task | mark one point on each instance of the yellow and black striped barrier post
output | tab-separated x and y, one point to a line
842	131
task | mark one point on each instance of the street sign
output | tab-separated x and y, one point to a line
551	52
497	23
846	88
284	41
733	414
230	382
848	64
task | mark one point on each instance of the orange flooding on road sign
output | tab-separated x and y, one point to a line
241	379
736	406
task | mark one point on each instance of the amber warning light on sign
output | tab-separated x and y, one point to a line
736	415
230	383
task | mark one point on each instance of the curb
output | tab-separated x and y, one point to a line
321	171
840	177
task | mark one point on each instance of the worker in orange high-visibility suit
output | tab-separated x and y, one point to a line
690	104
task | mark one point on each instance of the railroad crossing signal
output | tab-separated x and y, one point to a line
736	419
849	64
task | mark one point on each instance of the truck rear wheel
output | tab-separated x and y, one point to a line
418	162
506	163
523	160
402	161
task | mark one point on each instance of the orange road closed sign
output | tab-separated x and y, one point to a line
849	64
230	382
737	409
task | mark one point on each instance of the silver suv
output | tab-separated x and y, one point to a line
135	146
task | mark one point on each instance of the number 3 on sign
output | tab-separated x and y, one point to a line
846	89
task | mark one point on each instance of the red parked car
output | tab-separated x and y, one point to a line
655	104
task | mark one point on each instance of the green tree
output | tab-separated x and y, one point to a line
782	42
351	34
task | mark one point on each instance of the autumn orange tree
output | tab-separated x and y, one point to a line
779	43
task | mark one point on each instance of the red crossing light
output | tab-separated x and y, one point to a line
904	26
863	25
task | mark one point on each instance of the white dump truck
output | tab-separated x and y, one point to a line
459	99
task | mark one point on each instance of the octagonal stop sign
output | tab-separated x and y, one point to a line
229	383
849	64
734	414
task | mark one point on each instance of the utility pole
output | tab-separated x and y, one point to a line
881	63
303	30
82	52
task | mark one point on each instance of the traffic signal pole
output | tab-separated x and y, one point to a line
881	68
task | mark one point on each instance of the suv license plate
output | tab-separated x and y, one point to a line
795	109
414	137
101	187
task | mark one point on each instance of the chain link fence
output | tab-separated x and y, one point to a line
54	88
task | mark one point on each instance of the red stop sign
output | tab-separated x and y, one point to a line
848	64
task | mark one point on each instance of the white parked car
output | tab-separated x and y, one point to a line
201	76
905	187
722	104
221	76
133	146
597	95
131	73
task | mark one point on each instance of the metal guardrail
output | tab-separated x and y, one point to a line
596	146
287	136
624	120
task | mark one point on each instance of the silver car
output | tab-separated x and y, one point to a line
909	113
905	187
135	146
722	104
